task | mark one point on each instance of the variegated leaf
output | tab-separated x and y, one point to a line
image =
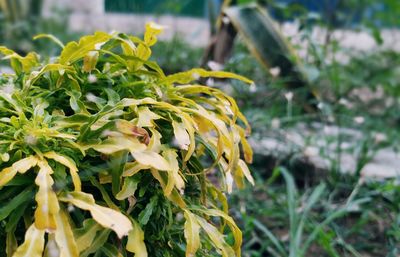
106	217
21	166
47	203
74	51
33	245
192	234
64	237
181	135
87	234
67	162
174	178
135	242
216	237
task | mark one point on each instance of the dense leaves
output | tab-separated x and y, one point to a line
117	154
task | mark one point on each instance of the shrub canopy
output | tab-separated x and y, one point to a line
102	153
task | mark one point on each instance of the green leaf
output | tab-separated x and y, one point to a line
16	202
145	215
87	234
99	242
51	37
129	188
110	250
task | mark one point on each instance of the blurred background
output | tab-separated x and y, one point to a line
324	106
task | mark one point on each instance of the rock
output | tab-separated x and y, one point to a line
315	146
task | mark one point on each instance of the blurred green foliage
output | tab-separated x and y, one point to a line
21	20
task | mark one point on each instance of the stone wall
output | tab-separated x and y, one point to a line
89	15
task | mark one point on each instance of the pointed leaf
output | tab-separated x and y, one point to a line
216	237
151	159
21	166
128	189
33	245
90	61
181	135
194	74
192	234
106	217
70	164
74	51
146	117
46	199
174	178
135	242
87	234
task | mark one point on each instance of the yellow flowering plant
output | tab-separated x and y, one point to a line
102	154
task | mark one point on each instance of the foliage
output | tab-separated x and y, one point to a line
20	20
103	154
346	218
176	55
358	90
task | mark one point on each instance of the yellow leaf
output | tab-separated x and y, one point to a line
116	144
194	74
174	179
229	181
152	30
155	141
146	117
20	166
106	217
25	164
34	76
131	168
217	238
74	51
135	242
181	135
192	234
33	245
189	126
247	151
90	61
64	237
70	164
87	234
26	63
237	233
51	249
243	167
151	159
128	189
174	197
46	199
6	175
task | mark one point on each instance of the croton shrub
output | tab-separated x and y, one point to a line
102	154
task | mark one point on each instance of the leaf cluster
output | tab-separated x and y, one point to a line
102	154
